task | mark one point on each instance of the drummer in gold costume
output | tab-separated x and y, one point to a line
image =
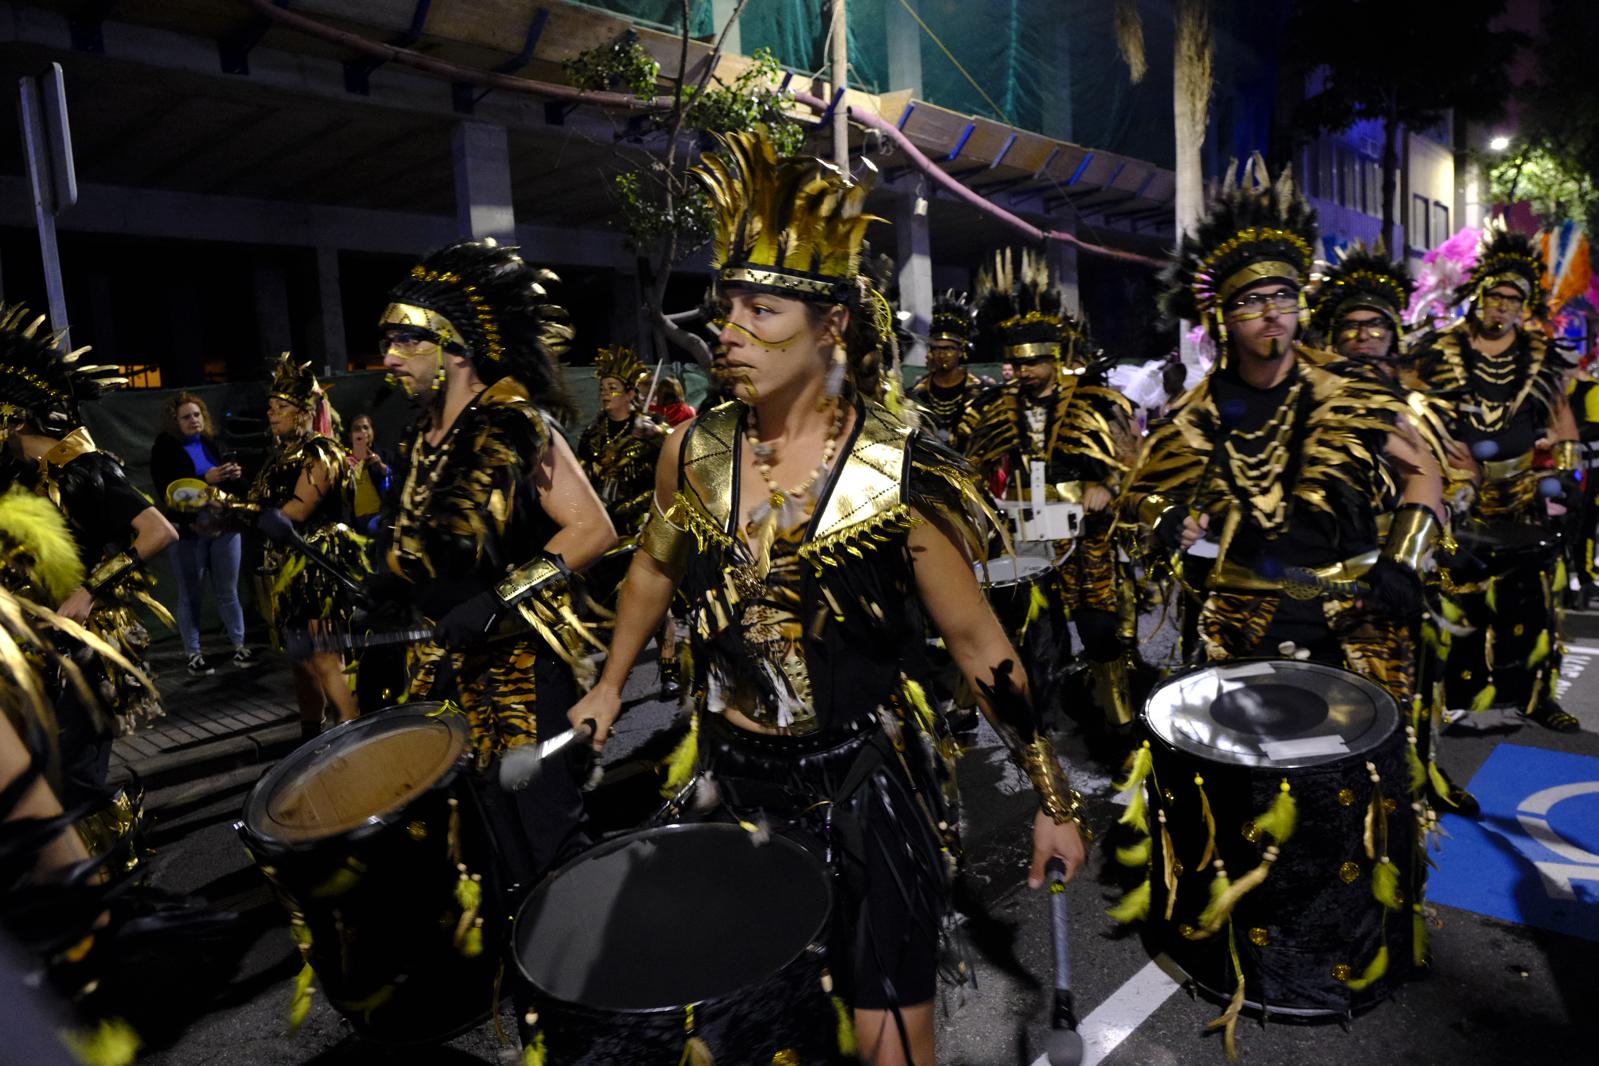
619	448
491	516
306	482
1505	387
116	531
1058	411
1359	312
1286	464
813	533
948	390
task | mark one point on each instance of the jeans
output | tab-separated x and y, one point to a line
194	557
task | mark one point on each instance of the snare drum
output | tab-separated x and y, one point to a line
1224	738
374	843
1009	580
684	932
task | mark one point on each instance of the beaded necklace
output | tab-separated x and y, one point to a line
784	509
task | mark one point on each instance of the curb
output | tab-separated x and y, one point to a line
183	780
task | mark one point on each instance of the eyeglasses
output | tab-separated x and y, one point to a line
1376	329
406	338
1255	304
1496	299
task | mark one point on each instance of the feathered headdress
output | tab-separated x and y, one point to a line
1021	312
1506	258
1363	279
954	319
792	226
619	363
40	384
484	299
295	382
1256	229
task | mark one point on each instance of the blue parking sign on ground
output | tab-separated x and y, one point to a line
1533	859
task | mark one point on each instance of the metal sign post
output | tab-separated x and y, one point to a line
47	145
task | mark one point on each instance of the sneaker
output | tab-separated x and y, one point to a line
1550	715
245	656
198	667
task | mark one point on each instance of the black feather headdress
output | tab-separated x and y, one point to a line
1506	258
1021	313
1255	229
1363	279
496	307
954	319
37	382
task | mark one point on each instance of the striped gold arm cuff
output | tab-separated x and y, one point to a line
1567	455
1411	535
662	539
112	571
542	570
1055	794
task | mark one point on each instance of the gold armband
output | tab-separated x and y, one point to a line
1151	508
112	571
1057	798
1567	455
1411	535
663	540
540	571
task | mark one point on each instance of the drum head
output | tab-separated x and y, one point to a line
1010	570
357	774
667	917
1271	713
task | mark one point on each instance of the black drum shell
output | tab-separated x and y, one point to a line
379	904
787	1010
1311	921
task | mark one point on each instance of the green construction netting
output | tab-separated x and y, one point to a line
1045	65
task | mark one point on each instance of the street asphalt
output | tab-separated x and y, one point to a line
1500	990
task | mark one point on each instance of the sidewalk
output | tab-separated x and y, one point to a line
218	735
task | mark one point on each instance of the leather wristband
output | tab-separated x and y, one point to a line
528	579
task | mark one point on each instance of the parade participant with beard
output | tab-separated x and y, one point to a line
117	531
1505	386
813	532
1058	411
304	487
1287	464
1359	310
490	516
948	389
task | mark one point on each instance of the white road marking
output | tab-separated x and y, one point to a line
1114	1020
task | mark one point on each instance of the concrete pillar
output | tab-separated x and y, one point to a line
482	155
904	49
723	14
326	338
272	325
915	262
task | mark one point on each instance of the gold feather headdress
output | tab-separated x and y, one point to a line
619	363
792	226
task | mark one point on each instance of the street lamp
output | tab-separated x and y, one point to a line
1499	143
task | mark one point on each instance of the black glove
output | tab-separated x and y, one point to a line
469	622
1394	590
276	525
1168	531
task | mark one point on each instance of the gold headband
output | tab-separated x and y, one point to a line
777	280
1255	272
1033	350
956	337
423	318
1514	280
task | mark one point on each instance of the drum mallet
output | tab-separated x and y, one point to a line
519	766
1065	1046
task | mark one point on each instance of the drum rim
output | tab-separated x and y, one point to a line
254	802
1170	746
816	939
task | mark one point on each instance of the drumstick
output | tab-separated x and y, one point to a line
1065	1046
519	766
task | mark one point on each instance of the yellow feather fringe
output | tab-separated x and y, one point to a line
113	1043
1134	905
1037	604
1385	884
1491	596
696	1052
1281	817
1377	967
1227	1022
1418	936
300	1001
916	696
1169	854
1418	772
1210	823
1485	698
534	1053
846	1029
1540	650
680	764
1436	776
1134	854
1135	815
1221	906
38	528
